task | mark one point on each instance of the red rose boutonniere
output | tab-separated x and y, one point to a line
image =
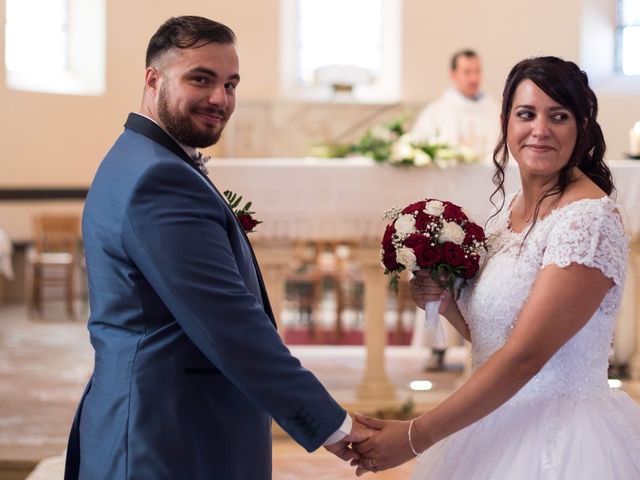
244	214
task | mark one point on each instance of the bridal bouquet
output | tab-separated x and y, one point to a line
437	236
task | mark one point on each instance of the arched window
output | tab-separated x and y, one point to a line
628	37
55	46
341	49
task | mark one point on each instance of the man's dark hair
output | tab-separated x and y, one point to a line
462	53
185	32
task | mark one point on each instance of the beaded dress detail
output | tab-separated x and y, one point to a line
565	423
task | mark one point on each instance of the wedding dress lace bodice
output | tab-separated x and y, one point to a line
588	232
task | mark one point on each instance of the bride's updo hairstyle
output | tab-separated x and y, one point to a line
566	84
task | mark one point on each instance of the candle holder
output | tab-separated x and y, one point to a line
634	142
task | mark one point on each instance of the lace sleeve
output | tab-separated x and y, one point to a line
589	233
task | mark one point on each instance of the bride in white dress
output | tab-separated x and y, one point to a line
540	315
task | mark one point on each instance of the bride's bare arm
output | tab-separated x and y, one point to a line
424	289
561	302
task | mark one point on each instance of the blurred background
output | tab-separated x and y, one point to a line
314	72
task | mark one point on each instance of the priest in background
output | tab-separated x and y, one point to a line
463	115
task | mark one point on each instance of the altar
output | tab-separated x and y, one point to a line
344	199
309	198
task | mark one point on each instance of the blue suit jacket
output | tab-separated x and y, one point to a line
189	368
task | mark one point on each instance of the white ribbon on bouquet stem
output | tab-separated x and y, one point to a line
434	332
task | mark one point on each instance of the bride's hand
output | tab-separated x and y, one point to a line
425	289
386	448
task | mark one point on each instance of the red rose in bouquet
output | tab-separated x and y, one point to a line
453	254
434	235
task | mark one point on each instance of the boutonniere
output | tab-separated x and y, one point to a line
244	214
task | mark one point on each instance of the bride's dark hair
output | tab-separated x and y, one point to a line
565	83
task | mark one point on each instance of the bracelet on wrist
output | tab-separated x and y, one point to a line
410	441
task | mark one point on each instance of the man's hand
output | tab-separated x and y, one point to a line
388	447
343	450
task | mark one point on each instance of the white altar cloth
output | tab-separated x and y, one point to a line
309	198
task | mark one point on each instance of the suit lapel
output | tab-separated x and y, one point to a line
154	132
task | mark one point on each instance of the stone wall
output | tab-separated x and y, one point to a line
286	129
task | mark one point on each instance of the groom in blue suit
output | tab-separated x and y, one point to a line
189	368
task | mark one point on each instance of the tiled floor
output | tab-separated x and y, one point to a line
44	366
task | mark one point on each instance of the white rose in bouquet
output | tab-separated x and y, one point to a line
451	232
405	224
434	207
406	257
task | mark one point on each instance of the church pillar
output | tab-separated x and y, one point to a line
375	386
633	290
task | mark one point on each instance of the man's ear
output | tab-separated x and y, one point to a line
152	80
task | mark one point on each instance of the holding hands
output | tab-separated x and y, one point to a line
388	447
343	449
375	445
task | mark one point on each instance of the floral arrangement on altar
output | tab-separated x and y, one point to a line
436	236
390	143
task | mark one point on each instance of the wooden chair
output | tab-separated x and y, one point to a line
303	292
324	265
313	270
54	260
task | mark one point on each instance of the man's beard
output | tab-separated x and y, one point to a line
182	128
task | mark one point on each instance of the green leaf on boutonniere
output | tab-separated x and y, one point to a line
244	214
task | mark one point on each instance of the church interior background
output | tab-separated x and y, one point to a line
319	243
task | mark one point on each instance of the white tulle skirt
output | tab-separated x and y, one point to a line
564	438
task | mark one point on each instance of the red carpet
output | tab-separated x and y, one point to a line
302	336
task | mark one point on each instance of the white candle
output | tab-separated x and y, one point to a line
634	140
